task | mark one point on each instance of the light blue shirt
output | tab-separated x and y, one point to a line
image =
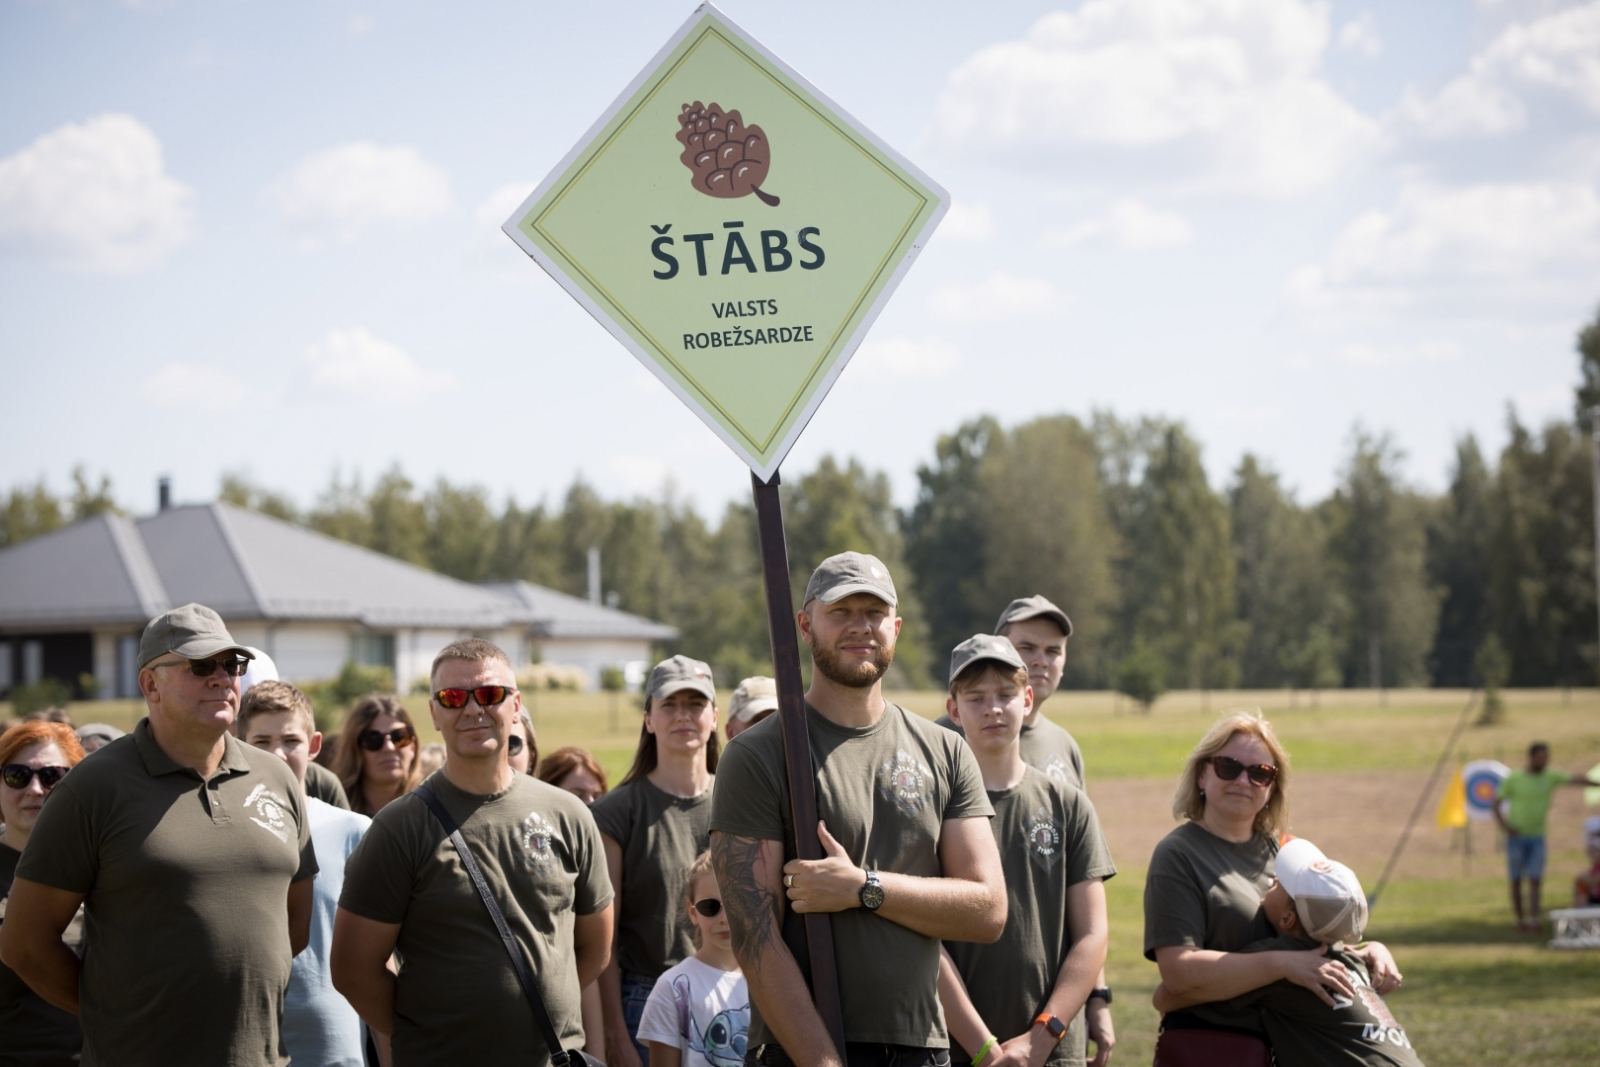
320	1028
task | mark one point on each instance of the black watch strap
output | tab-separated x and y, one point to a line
1103	993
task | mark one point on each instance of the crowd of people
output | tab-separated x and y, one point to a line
204	890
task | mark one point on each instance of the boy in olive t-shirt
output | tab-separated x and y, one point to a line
1030	986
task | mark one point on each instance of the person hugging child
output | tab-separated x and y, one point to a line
1316	901
698	1014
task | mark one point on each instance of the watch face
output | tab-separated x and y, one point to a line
872	896
1056	1028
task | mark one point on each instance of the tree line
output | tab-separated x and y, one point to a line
1170	581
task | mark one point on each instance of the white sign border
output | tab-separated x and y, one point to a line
764	471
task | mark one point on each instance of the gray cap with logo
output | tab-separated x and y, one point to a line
850	572
754	696
193	631
680	672
983	647
1033	607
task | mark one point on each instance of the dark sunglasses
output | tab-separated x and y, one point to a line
232	666
372	740
1228	768
487	696
18	775
709	907
514	744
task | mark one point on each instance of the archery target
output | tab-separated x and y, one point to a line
1483	778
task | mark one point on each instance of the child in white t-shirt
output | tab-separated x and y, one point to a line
698	1013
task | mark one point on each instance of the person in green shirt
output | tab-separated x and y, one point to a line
1019	1002
1521	810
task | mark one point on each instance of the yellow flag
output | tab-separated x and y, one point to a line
1453	807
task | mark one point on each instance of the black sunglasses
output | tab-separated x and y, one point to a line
1228	768
487	696
232	666
18	775
372	740
710	907
514	744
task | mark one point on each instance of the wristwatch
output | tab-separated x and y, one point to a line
1104	993
1057	1028
872	892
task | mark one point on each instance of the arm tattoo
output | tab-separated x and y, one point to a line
752	906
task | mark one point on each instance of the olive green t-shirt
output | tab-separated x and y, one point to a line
1305	1032
325	786
32	1031
186	926
1047	746
884	791
1049	840
456	998
660	835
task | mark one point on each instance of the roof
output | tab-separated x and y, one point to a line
249	566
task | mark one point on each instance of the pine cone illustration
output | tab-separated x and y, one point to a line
728	158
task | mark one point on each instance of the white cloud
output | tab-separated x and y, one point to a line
1129	224
1363	354
1360	34
1000	296
1559	52
94	197
905	357
189	386
340	192
1490	243
1203	96
967	222
353	364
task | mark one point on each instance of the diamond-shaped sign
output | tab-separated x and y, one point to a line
733	227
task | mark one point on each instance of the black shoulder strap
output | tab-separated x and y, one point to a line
519	963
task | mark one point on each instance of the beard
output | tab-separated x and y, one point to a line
857	675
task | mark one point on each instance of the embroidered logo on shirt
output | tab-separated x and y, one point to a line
1057	770
1044	839
267	810
906	781
537	836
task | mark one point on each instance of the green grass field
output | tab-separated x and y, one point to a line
1476	994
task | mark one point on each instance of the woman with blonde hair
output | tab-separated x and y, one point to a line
377	759
1207	878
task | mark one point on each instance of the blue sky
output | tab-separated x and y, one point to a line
263	237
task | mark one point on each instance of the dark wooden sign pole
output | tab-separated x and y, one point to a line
796	742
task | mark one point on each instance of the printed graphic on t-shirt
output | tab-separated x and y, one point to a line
537	834
721	1041
1057	769
267	811
907	781
1044	838
1386	1030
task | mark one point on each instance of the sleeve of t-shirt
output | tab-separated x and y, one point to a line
968	799
1174	904
1077	760
660	1019
613	814
1088	855
308	852
593	889
378	877
746	802
61	851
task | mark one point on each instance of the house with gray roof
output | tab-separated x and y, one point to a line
73	603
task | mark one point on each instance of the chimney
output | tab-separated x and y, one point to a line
594	574
163	493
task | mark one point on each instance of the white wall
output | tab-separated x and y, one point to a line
304	652
593	654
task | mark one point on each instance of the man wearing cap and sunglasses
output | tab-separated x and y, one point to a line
458	997
909	855
191	854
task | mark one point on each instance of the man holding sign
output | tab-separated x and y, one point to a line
910	859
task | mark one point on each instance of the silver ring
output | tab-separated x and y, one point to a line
788	881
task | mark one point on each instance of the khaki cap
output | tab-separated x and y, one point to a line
850	572
680	672
754	696
1327	895
983	647
193	631
1033	607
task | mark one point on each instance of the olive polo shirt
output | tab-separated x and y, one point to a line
186	928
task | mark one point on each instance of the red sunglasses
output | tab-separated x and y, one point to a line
487	696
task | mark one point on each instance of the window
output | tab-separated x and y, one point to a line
127	667
373	650
6	676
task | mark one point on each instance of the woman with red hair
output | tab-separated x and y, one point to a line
34	756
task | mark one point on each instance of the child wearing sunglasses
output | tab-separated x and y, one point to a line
698	1014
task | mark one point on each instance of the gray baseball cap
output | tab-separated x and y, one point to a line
850	572
754	696
981	647
193	631
680	672
1033	607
